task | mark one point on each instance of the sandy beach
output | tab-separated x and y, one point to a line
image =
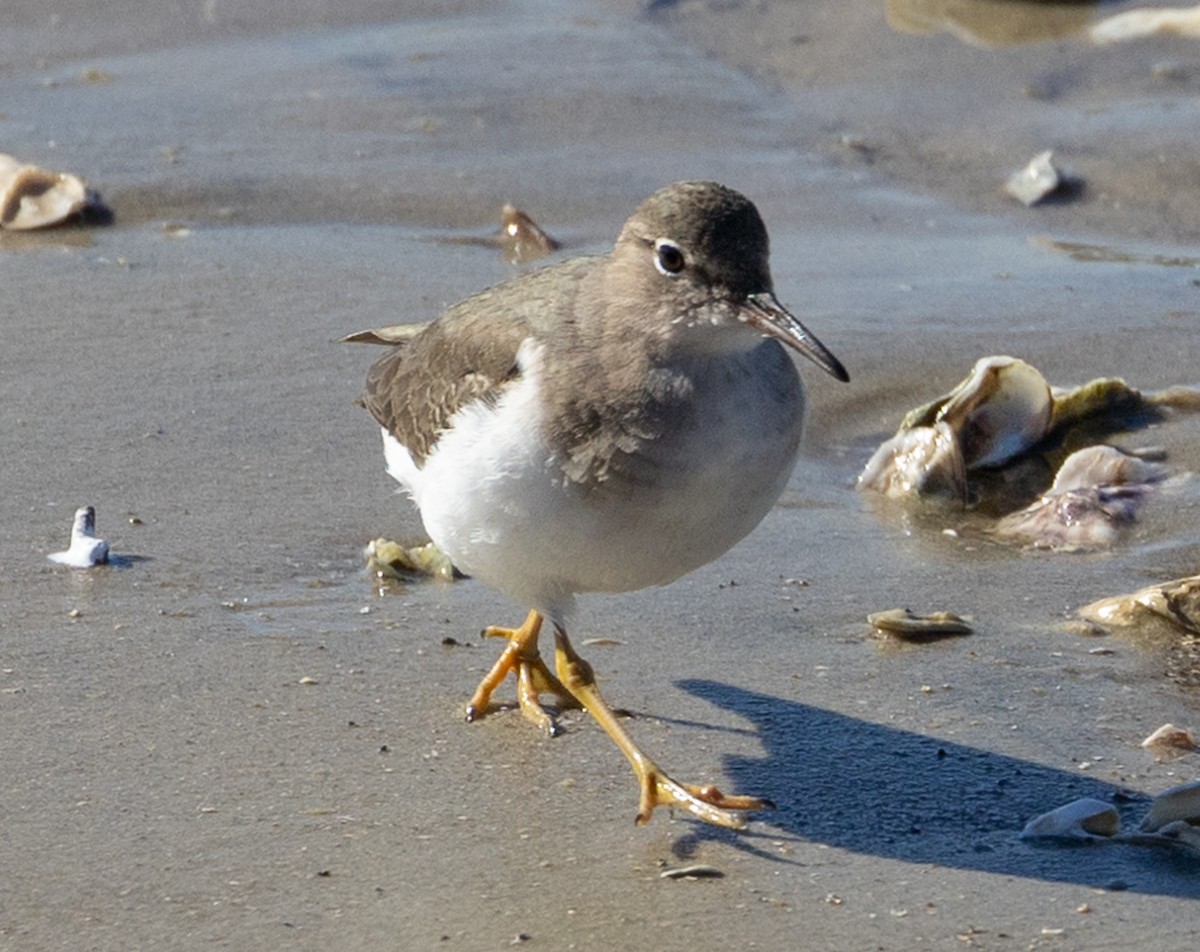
231	738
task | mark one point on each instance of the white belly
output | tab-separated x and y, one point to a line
496	501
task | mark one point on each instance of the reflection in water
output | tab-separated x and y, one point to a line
991	22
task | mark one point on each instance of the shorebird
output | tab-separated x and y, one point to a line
605	424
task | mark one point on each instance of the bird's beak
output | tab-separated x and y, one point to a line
763	312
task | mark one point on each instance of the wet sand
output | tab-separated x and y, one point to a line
280	178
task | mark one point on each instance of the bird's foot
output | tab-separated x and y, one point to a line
657	789
706	803
534	677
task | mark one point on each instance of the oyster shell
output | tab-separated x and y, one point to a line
86	550
1177	803
922	461
1174	605
31	197
1005	416
1084	819
999	411
1095	493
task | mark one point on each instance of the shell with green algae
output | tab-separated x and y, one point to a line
391	561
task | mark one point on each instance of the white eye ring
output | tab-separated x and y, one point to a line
668	257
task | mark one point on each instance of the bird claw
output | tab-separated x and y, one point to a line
706	802
534	677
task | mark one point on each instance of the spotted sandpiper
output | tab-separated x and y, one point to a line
604	424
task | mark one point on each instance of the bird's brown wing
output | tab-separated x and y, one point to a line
467	354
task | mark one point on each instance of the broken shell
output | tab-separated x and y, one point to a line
1177	803
31	197
1134	24
908	624
522	238
1035	181
390	560
1084	819
1175	604
1169	742
85	550
922	461
697	871
387	336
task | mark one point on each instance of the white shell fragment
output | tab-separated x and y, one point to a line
1134	24
1169	742
1085	819
697	871
86	550
31	197
1177	803
1035	181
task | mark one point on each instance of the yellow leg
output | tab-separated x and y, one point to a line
657	789
521	656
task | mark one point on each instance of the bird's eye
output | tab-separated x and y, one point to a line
667	257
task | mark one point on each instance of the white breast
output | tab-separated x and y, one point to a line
494	498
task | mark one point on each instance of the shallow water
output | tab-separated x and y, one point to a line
279	182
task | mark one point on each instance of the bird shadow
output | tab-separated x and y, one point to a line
880	791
